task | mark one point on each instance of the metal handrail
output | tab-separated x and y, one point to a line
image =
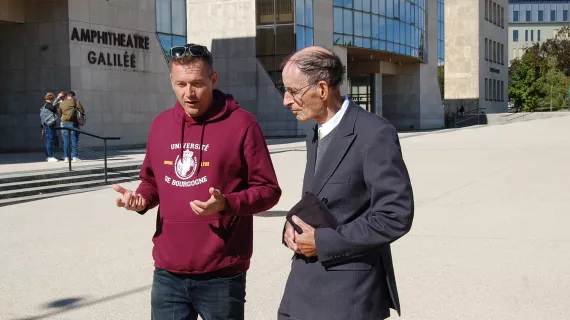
478	115
91	135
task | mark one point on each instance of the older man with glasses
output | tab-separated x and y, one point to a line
208	169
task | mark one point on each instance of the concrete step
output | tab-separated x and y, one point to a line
29	186
64	180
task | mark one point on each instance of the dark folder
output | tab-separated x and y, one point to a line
313	212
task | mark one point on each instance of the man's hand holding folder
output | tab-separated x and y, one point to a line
306	216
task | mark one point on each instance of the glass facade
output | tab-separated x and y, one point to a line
440	32
171	24
283	26
396	26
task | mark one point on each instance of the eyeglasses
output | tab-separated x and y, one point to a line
195	50
292	92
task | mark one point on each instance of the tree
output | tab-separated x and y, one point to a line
554	87
526	81
559	47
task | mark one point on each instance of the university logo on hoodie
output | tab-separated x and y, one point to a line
185	165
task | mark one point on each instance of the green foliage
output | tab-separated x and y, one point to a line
538	81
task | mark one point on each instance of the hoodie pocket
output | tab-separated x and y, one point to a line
189	246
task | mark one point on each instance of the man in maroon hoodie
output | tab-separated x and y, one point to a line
208	169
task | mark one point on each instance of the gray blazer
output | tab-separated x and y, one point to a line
363	180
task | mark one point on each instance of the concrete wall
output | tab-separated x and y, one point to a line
465	66
12	11
230	31
34	59
493	70
119	101
43	54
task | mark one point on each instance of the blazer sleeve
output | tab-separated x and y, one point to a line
391	204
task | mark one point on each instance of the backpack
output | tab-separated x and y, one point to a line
79	117
47	117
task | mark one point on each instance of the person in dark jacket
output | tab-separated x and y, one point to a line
208	169
356	168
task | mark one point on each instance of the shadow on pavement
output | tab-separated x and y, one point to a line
70	304
270	214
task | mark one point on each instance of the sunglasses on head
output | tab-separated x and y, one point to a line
194	50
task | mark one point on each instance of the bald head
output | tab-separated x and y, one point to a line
317	64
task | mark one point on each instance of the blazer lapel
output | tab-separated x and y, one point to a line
337	150
312	143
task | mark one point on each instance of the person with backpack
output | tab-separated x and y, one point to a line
72	116
48	118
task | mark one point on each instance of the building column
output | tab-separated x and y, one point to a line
378	94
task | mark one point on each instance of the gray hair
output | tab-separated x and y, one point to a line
319	65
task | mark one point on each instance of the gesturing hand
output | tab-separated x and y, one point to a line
306	240
216	203
130	200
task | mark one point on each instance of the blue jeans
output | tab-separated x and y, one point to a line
74	139
184	297
50	137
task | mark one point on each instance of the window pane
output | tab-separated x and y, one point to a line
366	43
376	44
366	25
347	21
402	32
515	16
309	13
390	29
284	11
374	9
337	20
165	42
515	35
178	41
265	11
396	31
299	12
300	37
565	15
348	4
337	39
357	4
366	7
382	28
389	8
163	16
357	23
396	8
179	17
527	16
265	42
552	15
338	3
358	41
308	37
375	27
284	40
381	8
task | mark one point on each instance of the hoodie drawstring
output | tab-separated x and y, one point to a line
201	148
182	137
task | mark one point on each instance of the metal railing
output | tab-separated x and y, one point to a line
69	146
466	114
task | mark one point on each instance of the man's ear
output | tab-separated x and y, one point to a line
214	79
323	90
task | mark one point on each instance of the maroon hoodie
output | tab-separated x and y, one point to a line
224	149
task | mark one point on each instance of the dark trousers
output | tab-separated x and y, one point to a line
184	297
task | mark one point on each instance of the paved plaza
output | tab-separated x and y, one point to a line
490	237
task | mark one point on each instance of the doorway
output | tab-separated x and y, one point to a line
361	91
